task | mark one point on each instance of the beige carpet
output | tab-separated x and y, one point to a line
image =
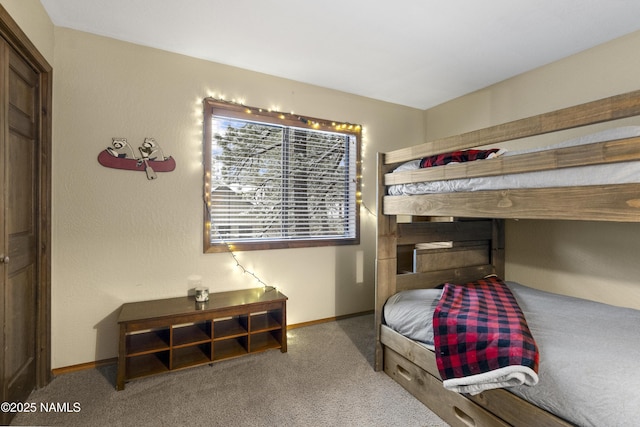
325	379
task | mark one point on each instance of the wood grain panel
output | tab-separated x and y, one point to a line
432	279
619	203
584	155
454	408
20	184
426	260
424	232
607	109
504	404
25	230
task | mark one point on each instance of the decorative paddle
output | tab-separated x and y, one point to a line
151	174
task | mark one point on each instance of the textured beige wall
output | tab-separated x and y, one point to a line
34	21
592	260
119	237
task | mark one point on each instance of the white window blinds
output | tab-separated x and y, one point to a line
275	183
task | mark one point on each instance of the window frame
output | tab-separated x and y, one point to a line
232	110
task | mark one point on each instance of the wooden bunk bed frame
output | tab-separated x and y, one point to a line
475	228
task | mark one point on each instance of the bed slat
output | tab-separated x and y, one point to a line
607	109
592	154
423	232
426	260
432	279
619	203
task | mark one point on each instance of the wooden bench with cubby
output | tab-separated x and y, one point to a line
176	333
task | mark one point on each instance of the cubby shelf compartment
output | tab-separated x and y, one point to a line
230	328
265	321
194	355
228	348
184	335
164	335
147	364
265	341
148	342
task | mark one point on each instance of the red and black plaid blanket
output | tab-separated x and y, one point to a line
482	340
457	157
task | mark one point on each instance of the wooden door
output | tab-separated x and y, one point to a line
19	146
25	215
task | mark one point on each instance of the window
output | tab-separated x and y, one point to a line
275	180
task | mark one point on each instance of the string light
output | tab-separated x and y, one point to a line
249	272
239	265
275	110
366	208
230	249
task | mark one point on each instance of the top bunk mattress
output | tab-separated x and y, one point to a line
588	372
601	174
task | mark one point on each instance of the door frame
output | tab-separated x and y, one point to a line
18	40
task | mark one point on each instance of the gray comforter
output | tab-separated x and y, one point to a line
589	352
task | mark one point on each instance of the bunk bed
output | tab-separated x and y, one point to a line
457	236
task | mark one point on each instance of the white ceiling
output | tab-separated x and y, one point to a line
417	53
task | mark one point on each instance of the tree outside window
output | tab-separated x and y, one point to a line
276	180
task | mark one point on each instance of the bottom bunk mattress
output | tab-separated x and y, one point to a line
588	369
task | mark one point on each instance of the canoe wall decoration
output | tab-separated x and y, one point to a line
122	156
